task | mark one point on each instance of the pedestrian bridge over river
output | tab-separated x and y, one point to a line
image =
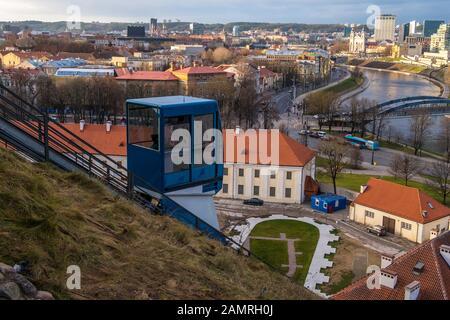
410	105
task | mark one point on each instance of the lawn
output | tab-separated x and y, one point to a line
275	252
346	85
355	181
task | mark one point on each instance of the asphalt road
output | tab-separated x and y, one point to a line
283	99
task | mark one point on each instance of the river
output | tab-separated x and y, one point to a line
385	86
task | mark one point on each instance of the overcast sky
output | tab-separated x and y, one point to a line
210	11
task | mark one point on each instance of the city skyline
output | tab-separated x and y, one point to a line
286	11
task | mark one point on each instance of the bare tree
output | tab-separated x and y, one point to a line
444	138
419	127
440	173
268	111
356	158
335	153
354	114
405	167
324	105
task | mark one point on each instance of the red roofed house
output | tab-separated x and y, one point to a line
404	211
194	80
423	273
269	80
248	174
140	84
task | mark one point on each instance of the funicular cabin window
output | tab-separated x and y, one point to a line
172	124
207	123
143	127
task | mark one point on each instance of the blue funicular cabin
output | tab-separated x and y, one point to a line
328	203
155	136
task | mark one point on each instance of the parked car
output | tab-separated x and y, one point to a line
377	230
303	132
254	202
314	134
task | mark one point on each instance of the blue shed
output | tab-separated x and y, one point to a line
328	203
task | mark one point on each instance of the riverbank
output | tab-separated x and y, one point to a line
445	91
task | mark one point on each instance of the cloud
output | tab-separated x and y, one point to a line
210	11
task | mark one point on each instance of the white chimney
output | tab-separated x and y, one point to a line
108	126
388	279
238	129
445	253
412	291
433	234
386	260
363	189
82	125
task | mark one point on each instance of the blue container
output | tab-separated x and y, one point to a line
328	203
152	124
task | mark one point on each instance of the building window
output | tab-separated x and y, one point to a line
240	189
273	175
257	173
289	175
241	172
225	188
406	226
225	171
143	127
370	214
272	191
288	192
256	191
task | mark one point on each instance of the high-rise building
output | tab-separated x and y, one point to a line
385	27
403	32
440	41
347	31
136	31
197	28
236	32
153	26
412	27
430	27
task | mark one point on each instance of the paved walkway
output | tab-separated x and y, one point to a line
319	262
292	266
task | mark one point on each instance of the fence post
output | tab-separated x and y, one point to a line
130	183
46	136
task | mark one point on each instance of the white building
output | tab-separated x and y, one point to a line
385	27
251	178
357	42
440	41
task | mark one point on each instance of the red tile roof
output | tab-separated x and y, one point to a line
32	54
434	280
291	153
200	70
264	73
406	202
149	76
113	143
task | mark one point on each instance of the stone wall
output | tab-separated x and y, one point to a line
14	286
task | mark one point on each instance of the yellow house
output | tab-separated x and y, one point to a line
403	211
14	59
196	81
252	178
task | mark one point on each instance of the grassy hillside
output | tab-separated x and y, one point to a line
54	219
